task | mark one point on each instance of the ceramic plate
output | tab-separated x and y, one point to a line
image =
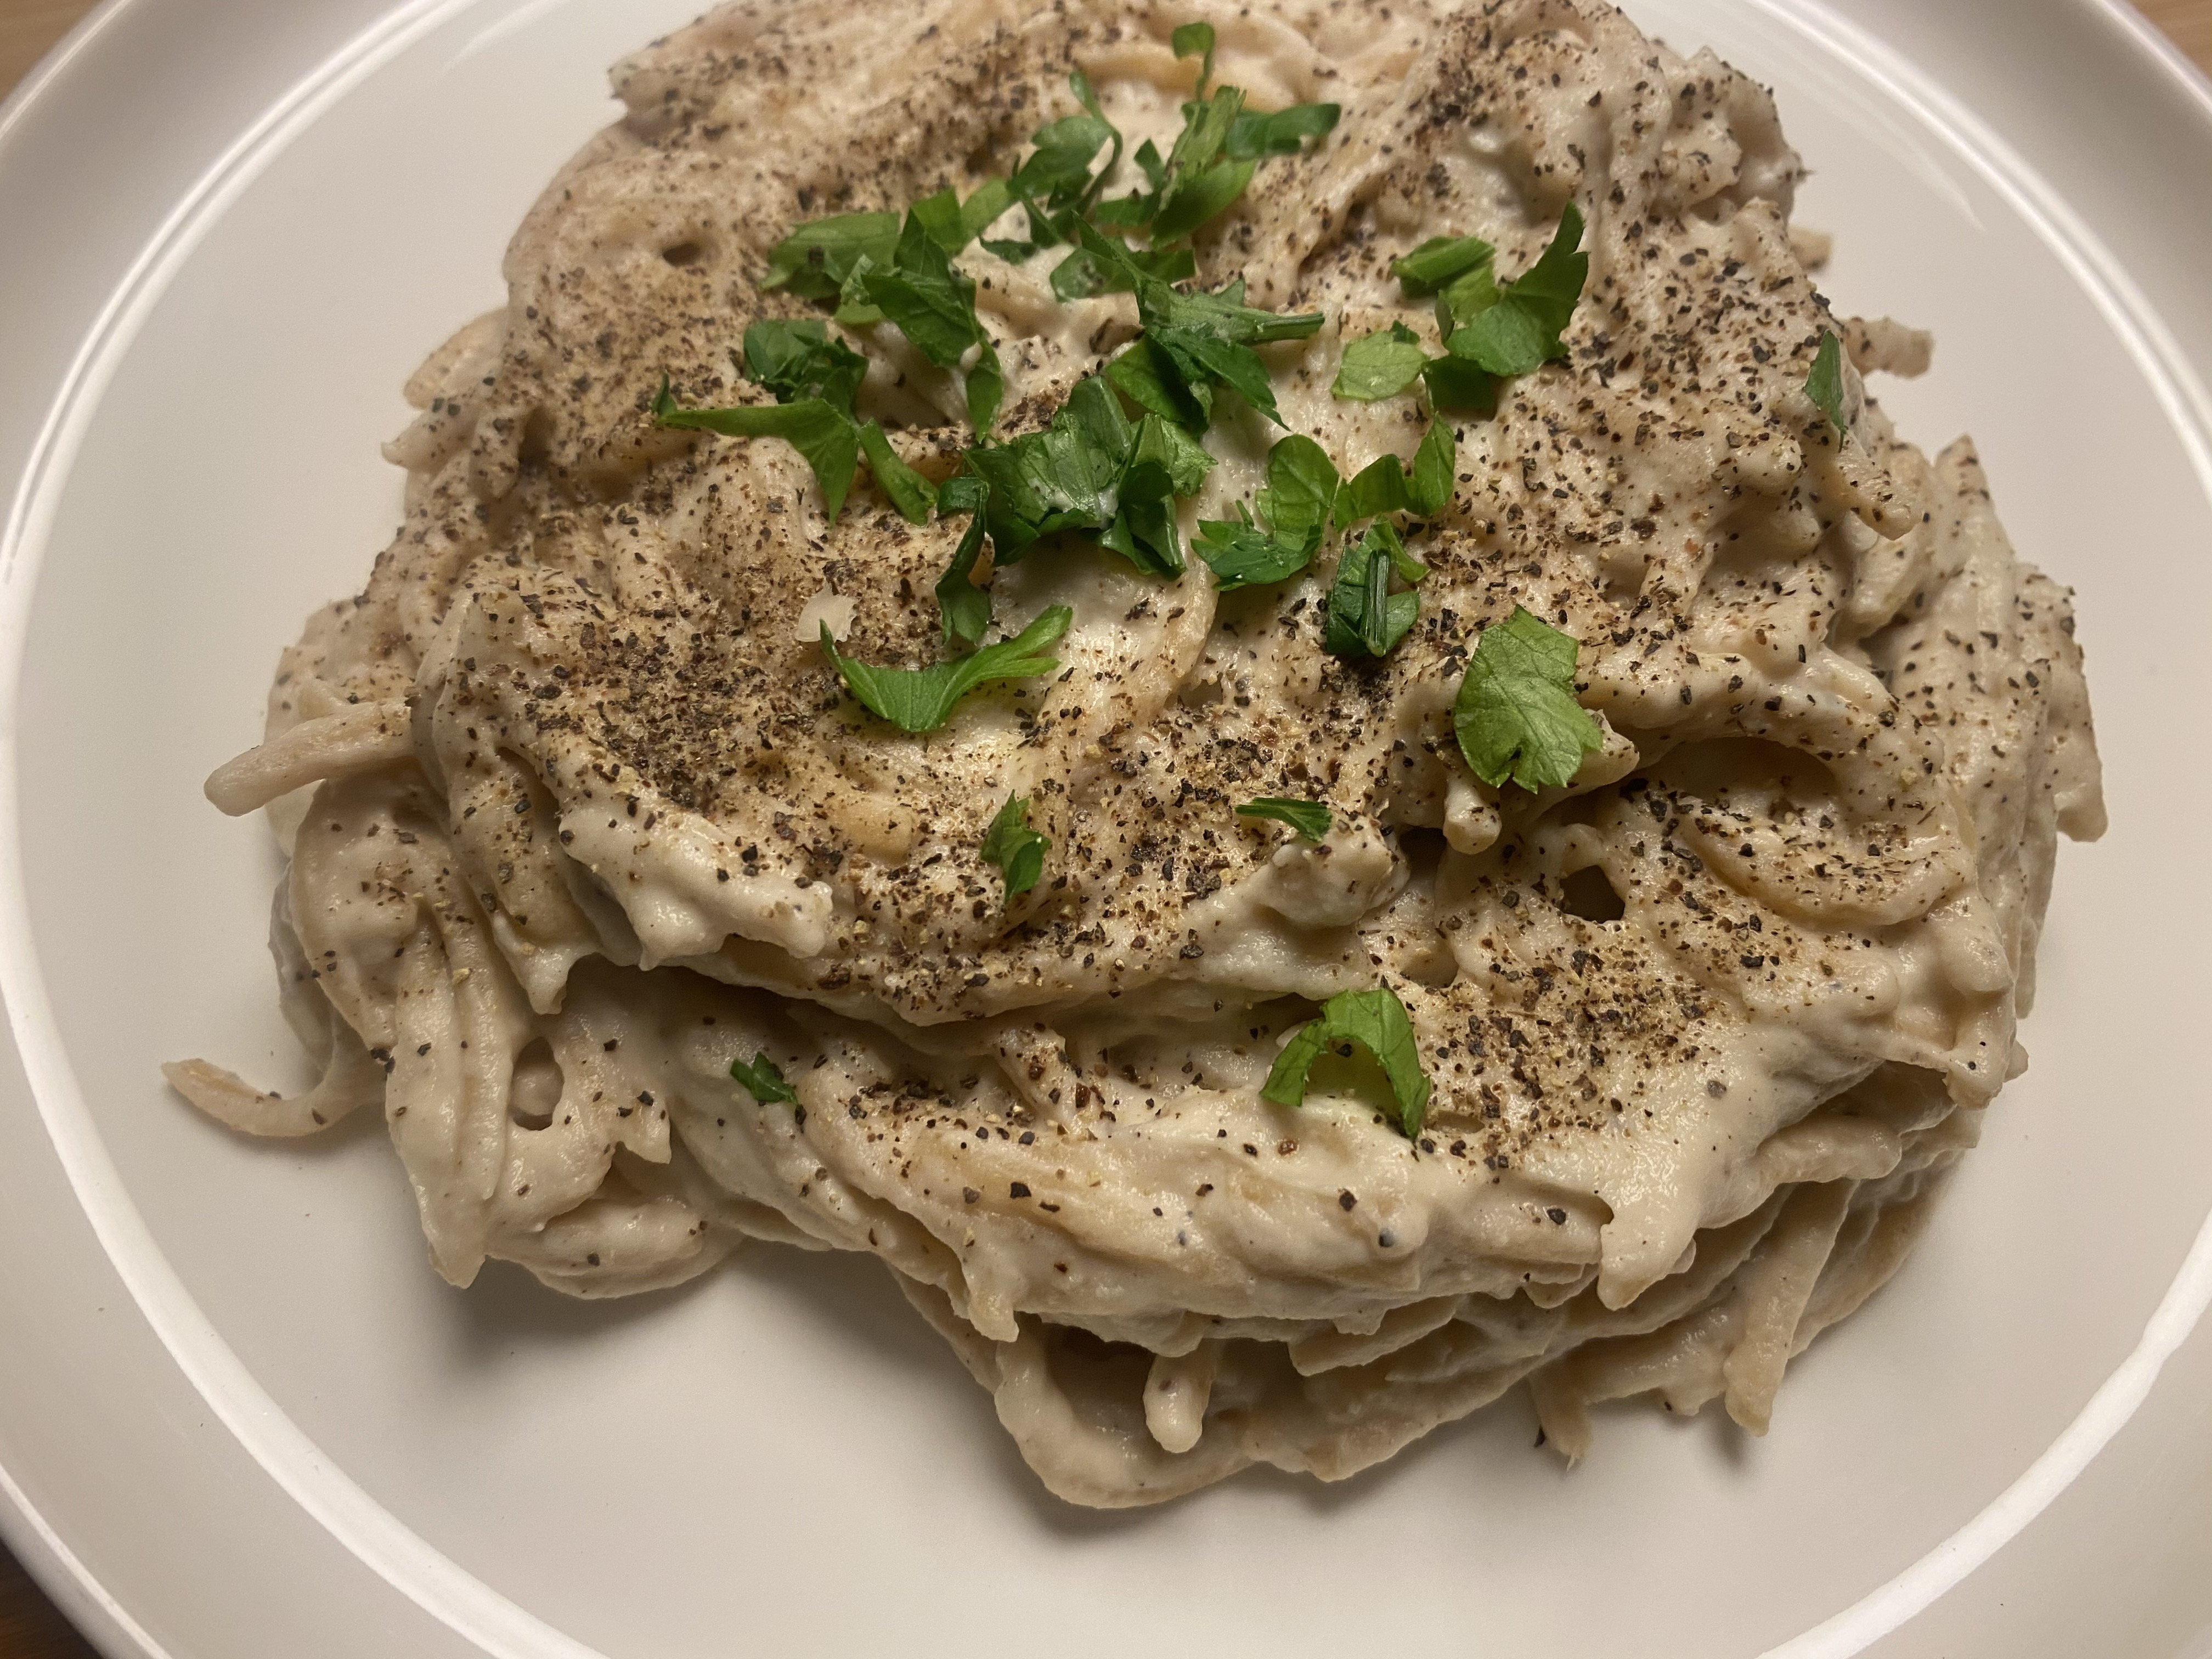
240	1416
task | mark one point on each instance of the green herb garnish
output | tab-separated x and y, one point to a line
914	496
1824	384
1310	818
1194	343
934	303
1282	133
1520	329
922	699
1210	163
1515	713
1092	470
963	610
1377	1022
1364	617
824	435
1296	504
797	360
1384	485
815	260
762	1081
1018	850
1434	263
1489	332
1381	365
1196	40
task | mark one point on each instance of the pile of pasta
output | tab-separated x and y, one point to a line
579	814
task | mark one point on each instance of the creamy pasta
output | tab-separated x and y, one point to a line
579	812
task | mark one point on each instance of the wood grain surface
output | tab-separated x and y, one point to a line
30	1628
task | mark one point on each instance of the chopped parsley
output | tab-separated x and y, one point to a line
1824	384
963	610
1437	261
1193	344
1196	40
762	1081
1213	156
1381	365
1518	330
814	379
824	436
817	259
1364	617
1385	485
914	496
1515	713
1018	850
1297	503
934	303
922	699
797	360
1092	470
1374	1020
1489	332
1310	818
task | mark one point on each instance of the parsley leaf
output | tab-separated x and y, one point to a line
934	303
825	436
1437	261
1378	1023
1465	297
797	360
814	379
1280	134
1299	498
1080	276
1296	501
1194	342
922	699
1428	485
1824	384
1018	850
1191	41
1310	818
1089	470
914	496
815	260
963	610
1520	331
1061	478
1384	485
1455	383
1515	713
1364	618
1152	380
1198	196
1381	365
762	1081
1241	554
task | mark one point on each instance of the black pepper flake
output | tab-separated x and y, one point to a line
1018	1189
1346	1199
969	1194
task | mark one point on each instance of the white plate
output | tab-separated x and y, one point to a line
240	1417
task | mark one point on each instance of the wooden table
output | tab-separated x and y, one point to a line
30	1628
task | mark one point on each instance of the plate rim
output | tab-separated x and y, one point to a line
68	1577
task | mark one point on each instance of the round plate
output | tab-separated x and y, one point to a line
240	1416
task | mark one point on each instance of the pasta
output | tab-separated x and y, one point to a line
579	816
